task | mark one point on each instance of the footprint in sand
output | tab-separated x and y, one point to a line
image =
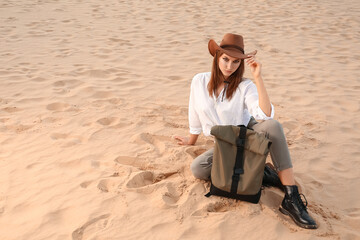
57	106
102	95
57	136
107	185
59	84
110	184
156	142
220	206
101	221
103	134
189	202
130	161
85	184
106	121
70	140
169	194
11	109
142	179
170	198
19	128
145	178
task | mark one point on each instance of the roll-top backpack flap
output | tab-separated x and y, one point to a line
226	133
257	142
255	150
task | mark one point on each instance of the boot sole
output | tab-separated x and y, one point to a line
285	212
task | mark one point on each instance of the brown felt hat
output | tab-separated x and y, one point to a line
232	45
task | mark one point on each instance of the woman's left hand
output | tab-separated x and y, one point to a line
255	66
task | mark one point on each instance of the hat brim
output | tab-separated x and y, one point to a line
213	47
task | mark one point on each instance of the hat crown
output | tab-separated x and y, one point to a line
232	39
232	45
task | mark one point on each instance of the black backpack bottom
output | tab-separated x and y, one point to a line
248	198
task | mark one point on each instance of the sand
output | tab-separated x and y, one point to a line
93	92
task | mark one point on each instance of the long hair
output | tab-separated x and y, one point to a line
217	77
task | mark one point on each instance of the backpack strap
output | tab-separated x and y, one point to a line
208	194
239	162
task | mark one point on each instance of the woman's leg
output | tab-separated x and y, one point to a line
287	176
201	166
279	151
292	203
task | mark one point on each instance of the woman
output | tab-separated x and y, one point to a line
224	97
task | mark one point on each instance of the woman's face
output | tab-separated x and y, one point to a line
228	65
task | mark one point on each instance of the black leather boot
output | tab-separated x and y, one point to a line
293	206
271	178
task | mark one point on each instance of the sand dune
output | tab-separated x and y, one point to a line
92	93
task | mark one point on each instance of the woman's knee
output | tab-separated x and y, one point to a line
196	170
273	126
199	171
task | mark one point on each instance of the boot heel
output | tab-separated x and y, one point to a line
283	211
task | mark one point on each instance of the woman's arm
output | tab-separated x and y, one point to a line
264	100
194	121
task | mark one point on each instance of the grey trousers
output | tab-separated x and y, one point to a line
279	152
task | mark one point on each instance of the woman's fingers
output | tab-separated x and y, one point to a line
252	61
180	140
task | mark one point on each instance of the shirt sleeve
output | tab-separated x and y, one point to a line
194	121
252	103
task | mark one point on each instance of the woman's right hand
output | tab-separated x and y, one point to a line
182	140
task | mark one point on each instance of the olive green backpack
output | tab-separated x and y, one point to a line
238	162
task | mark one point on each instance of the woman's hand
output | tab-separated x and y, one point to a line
255	66
182	140
187	140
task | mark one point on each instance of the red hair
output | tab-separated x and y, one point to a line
217	77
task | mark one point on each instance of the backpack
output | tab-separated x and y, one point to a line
238	162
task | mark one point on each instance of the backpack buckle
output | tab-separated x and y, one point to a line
240	142
239	171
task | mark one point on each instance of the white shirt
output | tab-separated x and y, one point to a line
206	111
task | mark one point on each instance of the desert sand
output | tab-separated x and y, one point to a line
93	92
